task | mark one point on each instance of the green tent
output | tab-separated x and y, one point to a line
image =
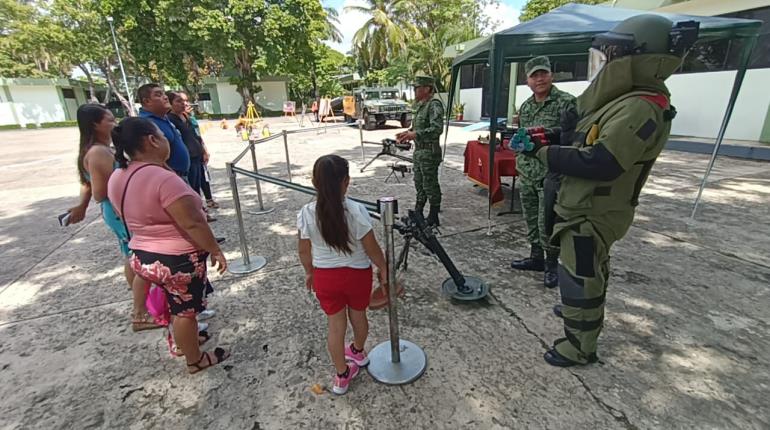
567	31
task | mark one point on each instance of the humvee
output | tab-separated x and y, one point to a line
375	106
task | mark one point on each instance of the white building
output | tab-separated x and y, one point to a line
699	91
41	101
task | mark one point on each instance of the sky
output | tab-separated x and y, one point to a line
506	13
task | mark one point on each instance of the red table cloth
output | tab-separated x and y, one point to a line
476	167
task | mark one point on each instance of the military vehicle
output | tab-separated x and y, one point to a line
375	106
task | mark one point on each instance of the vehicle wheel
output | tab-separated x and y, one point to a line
369	122
405	123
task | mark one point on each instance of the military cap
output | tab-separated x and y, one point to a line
537	63
423	81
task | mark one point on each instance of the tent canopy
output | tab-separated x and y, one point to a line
568	30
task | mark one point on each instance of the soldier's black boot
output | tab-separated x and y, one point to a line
433	220
551	276
420	209
557	310
534	262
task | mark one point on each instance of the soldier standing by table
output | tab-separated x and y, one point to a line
543	109
427	126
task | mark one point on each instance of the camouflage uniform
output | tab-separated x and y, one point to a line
428	124
531	171
625	121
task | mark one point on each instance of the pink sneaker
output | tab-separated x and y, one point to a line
360	359
341	384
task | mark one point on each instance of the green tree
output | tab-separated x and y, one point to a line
534	8
29	42
332	20
87	40
384	35
87	44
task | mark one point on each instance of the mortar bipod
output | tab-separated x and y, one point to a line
458	286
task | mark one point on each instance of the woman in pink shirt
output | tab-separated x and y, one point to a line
170	237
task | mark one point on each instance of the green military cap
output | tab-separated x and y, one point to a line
423	81
537	63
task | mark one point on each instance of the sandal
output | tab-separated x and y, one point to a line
203	337
219	353
212	204
145	322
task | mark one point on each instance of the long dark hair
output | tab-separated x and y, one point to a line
88	116
329	172
172	95
128	135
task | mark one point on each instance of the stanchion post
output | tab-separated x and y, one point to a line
262	209
396	361
286	150
244	264
361	134
387	214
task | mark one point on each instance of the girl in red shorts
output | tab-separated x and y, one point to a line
337	248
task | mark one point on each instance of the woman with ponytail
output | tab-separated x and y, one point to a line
96	162
170	238
337	247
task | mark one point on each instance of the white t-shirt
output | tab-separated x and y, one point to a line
324	256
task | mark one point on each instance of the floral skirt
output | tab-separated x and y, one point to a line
182	276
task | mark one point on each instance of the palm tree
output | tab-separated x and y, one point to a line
385	33
331	31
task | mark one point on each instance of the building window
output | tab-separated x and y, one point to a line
564	70
466	77
204	96
68	93
725	54
760	58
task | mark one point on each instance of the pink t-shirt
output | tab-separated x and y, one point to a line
151	190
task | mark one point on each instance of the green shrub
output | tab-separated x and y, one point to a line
59	124
10	127
31	126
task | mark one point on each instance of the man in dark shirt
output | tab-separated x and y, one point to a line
179	118
155	107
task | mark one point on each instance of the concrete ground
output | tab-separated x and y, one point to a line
683	345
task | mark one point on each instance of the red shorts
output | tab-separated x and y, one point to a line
342	286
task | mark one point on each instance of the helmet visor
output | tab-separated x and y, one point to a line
596	62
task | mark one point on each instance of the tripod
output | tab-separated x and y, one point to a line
389	148
397	168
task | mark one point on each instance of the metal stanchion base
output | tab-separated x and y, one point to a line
261	212
238	267
478	289
410	368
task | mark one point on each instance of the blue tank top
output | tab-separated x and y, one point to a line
112	219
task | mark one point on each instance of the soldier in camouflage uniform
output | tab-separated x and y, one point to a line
542	109
624	122
427	126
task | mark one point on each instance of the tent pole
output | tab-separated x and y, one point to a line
495	76
745	57
453	82
512	92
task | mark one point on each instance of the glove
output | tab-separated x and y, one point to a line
520	141
533	146
524	143
568	121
